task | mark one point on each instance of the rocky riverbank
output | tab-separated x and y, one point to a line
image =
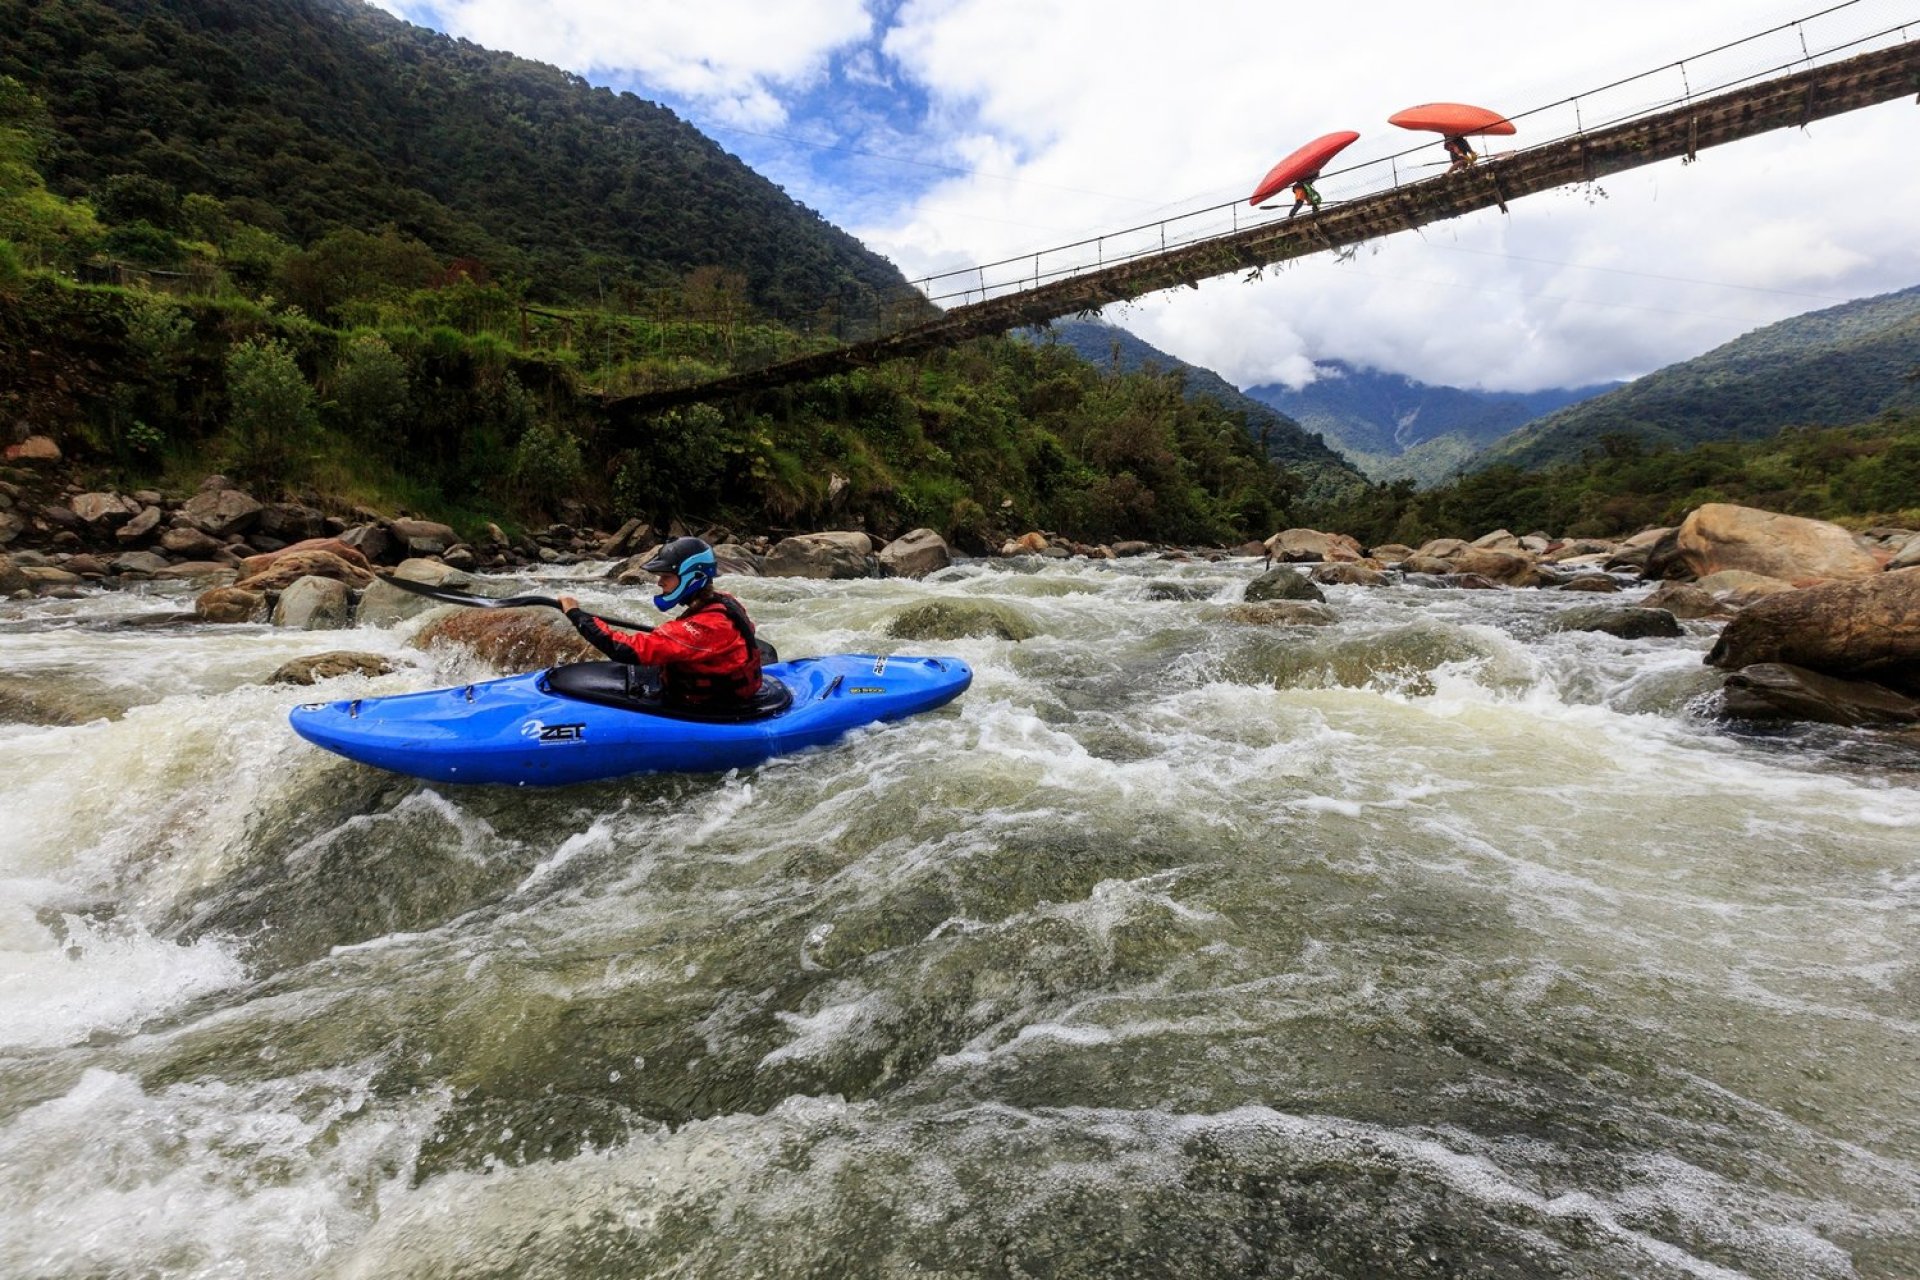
1820	623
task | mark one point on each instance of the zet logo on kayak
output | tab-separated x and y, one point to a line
543	732
879	667
866	688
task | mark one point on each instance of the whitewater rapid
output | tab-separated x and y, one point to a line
1431	942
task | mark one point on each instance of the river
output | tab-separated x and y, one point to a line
1429	943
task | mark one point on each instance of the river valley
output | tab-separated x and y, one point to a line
1429	943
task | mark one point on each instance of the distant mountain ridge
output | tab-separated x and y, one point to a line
1834	367
1286	441
1393	427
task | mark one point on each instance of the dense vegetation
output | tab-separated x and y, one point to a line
1842	365
1862	475
1325	474
219	131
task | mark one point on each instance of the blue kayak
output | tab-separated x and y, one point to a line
586	721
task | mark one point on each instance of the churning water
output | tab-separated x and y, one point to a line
1429	943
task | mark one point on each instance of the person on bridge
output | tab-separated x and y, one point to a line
1459	152
708	656
1303	194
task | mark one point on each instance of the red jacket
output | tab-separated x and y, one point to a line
704	656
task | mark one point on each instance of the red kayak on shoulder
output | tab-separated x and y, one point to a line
1455	119
1304	163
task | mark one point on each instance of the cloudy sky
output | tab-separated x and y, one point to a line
949	132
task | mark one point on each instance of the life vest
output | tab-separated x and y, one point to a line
736	683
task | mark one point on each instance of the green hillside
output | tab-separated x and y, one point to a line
303	117
1324	472
1842	365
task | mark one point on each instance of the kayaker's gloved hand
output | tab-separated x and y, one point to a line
569	605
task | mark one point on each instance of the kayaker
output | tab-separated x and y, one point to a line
706	657
1459	151
1303	193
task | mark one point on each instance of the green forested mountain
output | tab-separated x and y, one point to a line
1828	368
1324	472
303	117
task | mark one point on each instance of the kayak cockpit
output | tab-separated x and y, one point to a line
621	685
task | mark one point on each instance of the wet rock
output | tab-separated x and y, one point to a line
915	554
461	556
209	571
191	541
290	566
953	619
1498	540
1282	613
1303	546
1027	544
374	542
1634	552
1511	568
1349	575
231	604
1580	549
1686	600
423	537
290	522
316	667
835	555
733	557
11	527
1469	582
382	605
1390	552
1721	535
45	577
12	577
104	510
138	564
221	512
1617	620
509	640
1131	547
1780	691
137	530
1739	588
1907	556
314	604
1163	590
635	535
1599	582
254	565
38	701
1426	565
1282	584
1867	629
34	451
1442	548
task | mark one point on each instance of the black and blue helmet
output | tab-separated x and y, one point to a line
690	558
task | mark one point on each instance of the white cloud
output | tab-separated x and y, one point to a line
734	55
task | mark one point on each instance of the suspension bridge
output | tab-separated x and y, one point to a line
1784	78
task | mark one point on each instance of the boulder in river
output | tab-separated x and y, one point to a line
1282	584
1721	535
1739	588
12	578
1310	546
423	537
315	667
510	640
1618	620
231	604
1686	600
289	567
382	605
314	604
333	546
949	618
1283	613
1597	582
837	555
915	554
1348	574
220	513
1781	691
1867	629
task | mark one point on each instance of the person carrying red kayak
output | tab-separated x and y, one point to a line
1459	152
1303	194
706	657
